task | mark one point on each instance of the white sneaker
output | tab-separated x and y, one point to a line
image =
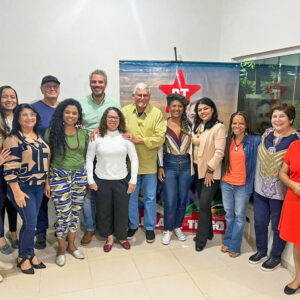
180	235
166	238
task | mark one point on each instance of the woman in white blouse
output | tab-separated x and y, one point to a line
109	182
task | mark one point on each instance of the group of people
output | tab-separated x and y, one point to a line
95	155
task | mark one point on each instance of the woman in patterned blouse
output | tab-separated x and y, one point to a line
25	173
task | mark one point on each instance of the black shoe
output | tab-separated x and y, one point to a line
29	271
290	291
40	242
257	258
39	266
271	264
131	232
150	236
199	247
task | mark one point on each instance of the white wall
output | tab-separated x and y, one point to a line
254	26
71	38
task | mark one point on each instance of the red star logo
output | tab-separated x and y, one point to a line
276	90
179	87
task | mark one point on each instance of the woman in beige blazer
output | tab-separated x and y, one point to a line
209	138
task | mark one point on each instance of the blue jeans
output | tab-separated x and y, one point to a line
148	183
264	210
42	220
175	189
235	201
89	211
29	215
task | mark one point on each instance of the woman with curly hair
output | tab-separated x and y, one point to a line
8	104
175	167
110	182
67	180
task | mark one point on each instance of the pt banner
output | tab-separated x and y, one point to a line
218	81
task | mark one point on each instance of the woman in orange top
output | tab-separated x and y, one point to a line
238	181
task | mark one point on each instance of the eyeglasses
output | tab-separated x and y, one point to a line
111	118
49	87
32	115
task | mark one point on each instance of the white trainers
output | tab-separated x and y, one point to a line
180	235
166	237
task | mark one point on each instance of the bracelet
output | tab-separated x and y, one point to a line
209	171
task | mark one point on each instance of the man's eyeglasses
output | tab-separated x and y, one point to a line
49	87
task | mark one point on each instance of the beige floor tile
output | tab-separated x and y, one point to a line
132	290
113	270
17	285
260	281
156	264
66	279
81	295
193	260
276	294
218	283
179	286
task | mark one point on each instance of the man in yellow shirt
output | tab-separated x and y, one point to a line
146	129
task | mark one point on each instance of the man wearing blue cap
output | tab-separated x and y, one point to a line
50	88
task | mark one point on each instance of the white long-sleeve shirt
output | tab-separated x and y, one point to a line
111	151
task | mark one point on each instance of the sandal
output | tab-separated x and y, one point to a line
234	255
224	249
38	266
27	271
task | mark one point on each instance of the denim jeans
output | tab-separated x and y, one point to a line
2	200
89	211
42	220
29	215
175	189
264	210
148	183
235	201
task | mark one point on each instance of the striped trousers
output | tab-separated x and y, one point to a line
68	189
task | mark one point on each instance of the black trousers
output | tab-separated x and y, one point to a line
206	196
6	204
112	202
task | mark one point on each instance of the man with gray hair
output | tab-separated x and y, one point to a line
146	128
93	107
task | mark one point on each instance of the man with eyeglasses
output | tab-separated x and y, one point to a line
146	128
93	107
50	88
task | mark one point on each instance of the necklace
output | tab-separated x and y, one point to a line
237	145
75	149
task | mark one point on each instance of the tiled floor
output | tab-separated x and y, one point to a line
147	271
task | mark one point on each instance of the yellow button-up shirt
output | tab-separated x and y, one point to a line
150	127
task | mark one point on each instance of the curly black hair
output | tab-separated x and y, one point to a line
214	119
103	124
16	127
4	129
57	136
